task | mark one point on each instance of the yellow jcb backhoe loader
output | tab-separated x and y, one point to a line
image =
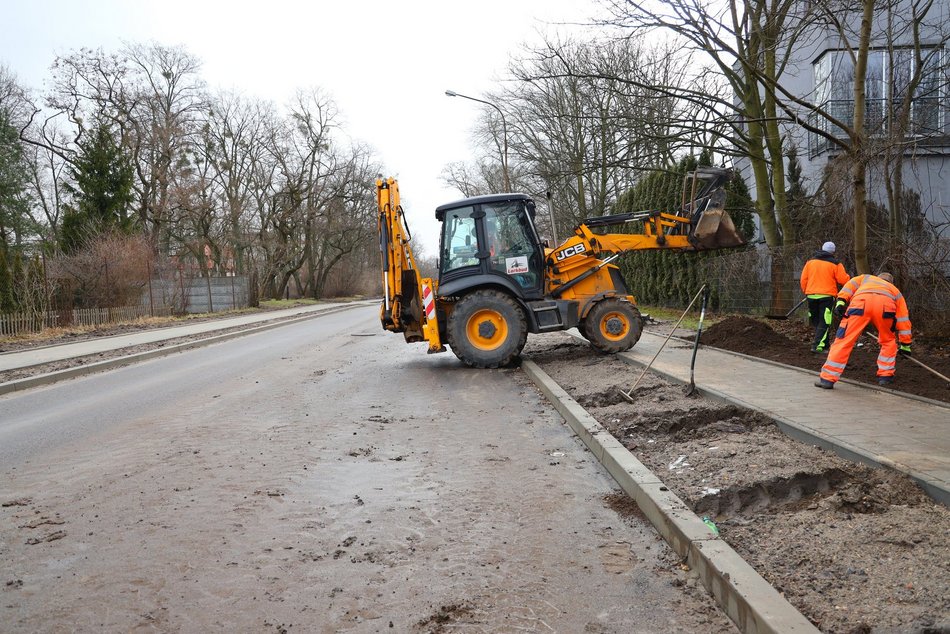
498	281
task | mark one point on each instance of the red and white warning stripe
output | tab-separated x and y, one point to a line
427	302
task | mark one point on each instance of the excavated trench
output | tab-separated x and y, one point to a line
854	548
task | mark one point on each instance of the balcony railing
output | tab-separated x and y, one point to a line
925	122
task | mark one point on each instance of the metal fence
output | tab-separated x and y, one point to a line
201	294
757	281
161	298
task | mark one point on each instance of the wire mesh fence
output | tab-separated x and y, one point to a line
757	281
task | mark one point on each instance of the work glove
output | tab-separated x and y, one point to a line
904	349
840	307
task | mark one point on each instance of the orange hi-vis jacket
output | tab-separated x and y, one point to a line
823	275
892	298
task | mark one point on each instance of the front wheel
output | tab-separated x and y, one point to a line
487	329
612	325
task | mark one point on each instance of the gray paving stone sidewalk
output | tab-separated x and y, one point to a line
48	354
860	422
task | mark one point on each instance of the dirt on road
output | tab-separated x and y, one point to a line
855	549
76	335
324	479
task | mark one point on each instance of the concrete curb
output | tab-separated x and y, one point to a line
748	599
69	373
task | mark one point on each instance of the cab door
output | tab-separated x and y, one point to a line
512	245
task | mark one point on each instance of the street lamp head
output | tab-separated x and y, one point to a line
451	93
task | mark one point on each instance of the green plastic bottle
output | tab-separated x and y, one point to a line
711	524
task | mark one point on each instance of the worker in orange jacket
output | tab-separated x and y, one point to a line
821	278
868	300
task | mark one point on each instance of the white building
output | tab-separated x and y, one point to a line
821	71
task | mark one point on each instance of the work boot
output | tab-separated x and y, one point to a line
825	384
885	381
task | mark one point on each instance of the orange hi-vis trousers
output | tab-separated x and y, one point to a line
864	309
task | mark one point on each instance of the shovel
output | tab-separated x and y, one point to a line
920	363
699	331
789	313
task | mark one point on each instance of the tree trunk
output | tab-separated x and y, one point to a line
858	144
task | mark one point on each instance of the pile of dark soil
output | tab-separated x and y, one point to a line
789	342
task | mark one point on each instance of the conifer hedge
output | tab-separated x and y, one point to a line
666	278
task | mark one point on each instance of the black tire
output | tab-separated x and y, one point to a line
612	325
487	329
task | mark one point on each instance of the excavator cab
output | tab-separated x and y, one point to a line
490	240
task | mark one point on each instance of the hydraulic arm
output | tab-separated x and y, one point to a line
408	298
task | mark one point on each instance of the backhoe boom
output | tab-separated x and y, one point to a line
408	298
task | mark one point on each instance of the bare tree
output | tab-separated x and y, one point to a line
234	145
889	53
301	150
224	181
583	123
153	95
749	44
168	100
346	225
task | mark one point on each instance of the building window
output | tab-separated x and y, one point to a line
889	76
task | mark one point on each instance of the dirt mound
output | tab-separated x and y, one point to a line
745	335
789	342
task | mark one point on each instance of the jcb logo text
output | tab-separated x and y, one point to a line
569	251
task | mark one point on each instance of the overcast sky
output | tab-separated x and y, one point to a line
386	64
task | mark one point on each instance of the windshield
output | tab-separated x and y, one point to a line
496	237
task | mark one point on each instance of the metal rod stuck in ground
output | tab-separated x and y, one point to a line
628	395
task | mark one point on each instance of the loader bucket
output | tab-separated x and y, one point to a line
711	227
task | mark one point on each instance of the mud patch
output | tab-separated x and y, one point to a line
701	421
625	507
445	617
606	398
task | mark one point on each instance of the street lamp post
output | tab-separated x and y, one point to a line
504	133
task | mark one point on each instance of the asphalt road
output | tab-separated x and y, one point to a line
324	477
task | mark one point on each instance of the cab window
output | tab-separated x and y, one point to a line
459	244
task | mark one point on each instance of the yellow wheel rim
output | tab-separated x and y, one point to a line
614	326
486	329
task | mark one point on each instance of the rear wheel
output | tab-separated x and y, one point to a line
487	329
612	325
